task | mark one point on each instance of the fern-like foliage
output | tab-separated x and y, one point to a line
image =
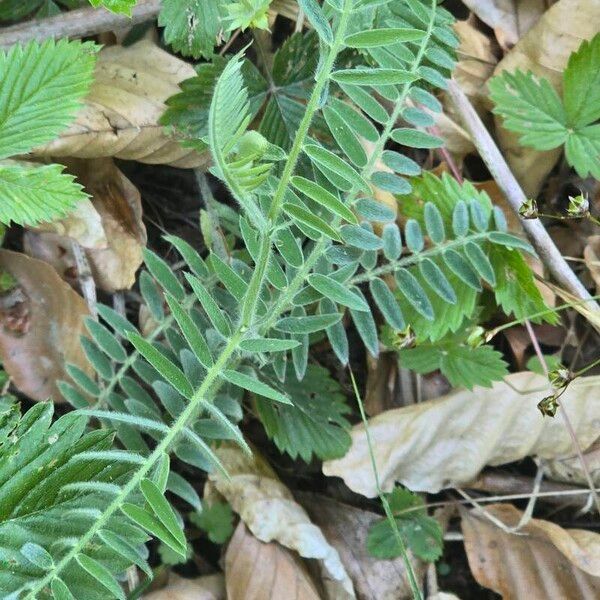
305	249
117	6
530	106
41	87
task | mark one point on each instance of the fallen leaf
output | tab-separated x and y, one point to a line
346	528
476	61
269	510
445	442
84	225
208	587
510	19
121	112
381	376
545	50
443	596
591	255
569	469
541	561
118	205
255	570
41	321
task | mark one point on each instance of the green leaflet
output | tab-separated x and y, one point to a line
532	108
116	6
314	423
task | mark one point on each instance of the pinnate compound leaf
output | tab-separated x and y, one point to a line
42	86
317	19
372	38
445	442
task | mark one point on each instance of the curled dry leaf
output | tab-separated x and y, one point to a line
346	529
541	561
118	205
121	113
209	587
257	571
269	510
445	442
545	50
510	19
41	321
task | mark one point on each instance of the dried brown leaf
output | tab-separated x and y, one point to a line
208	587
591	254
541	561
545	50
346	529
569	469
121	112
445	442
255	570
118	205
510	19
476	61
269	510
41	321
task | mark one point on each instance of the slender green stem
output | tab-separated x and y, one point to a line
384	501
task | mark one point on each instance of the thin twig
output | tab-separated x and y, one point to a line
77	23
537	234
84	275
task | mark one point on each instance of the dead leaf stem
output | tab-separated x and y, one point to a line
77	23
536	232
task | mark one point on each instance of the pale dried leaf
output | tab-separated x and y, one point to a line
443	596
569	469
346	528
83	225
476	61
259	571
545	50
591	254
510	19
445	442
41	321
121	112
269	510
118	205
541	561
208	587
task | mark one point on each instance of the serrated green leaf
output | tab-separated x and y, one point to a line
34	194
315	423
42	86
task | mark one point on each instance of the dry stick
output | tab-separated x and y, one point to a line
77	23
85	277
537	234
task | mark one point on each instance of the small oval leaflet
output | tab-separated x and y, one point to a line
337	292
